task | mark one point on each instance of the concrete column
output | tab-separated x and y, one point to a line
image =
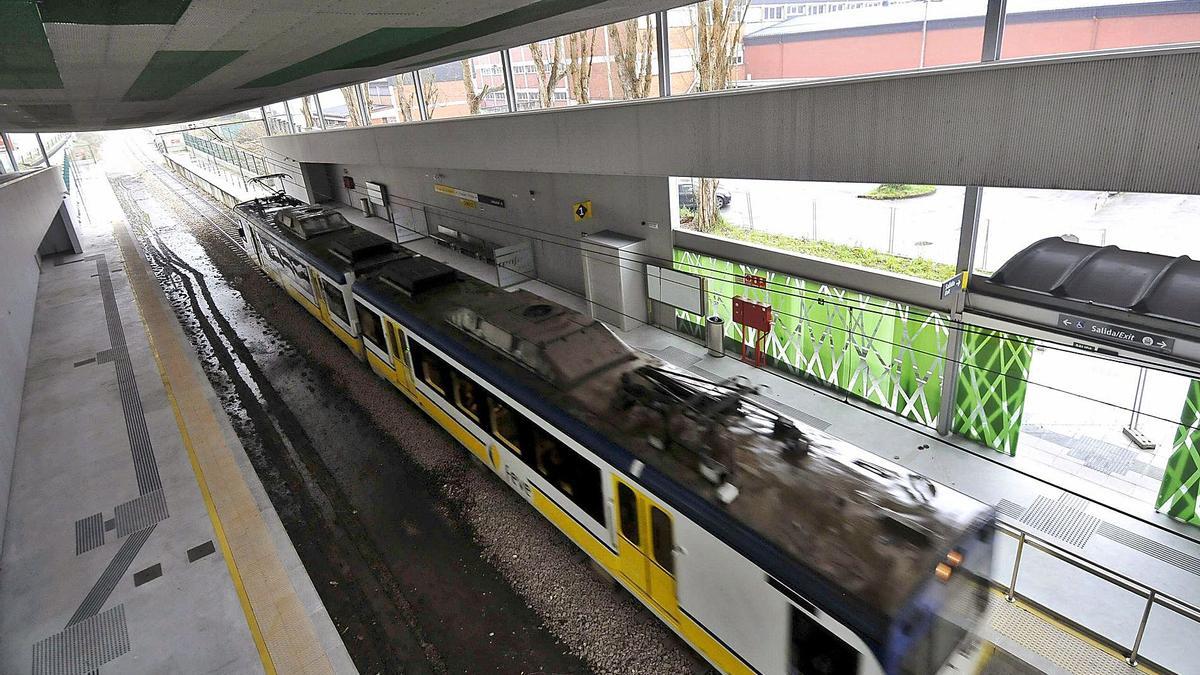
993	30
419	95
663	40
510	93
42	147
12	159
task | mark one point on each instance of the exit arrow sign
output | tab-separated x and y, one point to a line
1111	332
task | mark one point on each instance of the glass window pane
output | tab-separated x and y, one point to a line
26	151
627	505
662	540
392	99
818	40
304	114
473	86
340	108
910	230
1034	28
1011	219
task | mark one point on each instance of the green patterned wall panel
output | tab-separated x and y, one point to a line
1180	490
991	387
882	351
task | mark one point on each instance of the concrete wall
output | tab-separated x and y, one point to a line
538	207
28	205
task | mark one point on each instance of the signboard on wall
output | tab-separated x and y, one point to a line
1111	332
467	196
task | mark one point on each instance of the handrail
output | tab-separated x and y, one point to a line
1153	596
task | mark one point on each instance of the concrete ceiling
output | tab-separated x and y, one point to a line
103	64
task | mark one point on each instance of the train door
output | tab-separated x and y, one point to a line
398	353
646	546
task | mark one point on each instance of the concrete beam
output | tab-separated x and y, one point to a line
1099	122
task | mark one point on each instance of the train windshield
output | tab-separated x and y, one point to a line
947	609
326	221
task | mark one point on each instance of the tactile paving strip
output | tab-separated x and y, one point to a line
89	533
140	513
1063	518
83	647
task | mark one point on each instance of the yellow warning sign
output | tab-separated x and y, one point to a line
582	210
469	203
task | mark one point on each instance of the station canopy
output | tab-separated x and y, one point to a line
1143	290
69	65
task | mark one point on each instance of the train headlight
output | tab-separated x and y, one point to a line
954	558
943	572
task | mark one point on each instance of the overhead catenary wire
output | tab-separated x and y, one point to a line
880	414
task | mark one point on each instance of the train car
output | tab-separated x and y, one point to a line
766	545
315	254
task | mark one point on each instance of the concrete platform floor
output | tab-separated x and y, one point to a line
138	538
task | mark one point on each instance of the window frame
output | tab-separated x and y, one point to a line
343	315
376	321
457	381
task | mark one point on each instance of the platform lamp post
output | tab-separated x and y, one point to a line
968	235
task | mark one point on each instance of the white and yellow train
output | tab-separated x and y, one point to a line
766	545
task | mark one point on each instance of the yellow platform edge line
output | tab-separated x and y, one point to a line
1071	630
243	598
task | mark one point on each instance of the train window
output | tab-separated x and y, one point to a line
506	425
816	650
627	504
371	326
335	300
573	475
468	396
662	539
430	368
397	344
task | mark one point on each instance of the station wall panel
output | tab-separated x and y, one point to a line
885	352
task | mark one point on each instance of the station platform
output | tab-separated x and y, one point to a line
1068	615
138	537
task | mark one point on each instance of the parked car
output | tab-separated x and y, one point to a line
687	196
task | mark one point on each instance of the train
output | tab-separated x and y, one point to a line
765	544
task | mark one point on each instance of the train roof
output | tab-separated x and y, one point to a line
322	236
867	533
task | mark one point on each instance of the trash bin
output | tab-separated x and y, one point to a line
716	336
365	204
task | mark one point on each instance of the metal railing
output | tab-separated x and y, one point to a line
1151	595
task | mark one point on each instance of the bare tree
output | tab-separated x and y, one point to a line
354	113
474	99
549	68
581	47
306	112
430	93
632	49
402	100
718	30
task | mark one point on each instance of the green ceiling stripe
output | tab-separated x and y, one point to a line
170	72
378	48
538	11
365	47
113	12
26	61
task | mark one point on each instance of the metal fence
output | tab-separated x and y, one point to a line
1153	597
